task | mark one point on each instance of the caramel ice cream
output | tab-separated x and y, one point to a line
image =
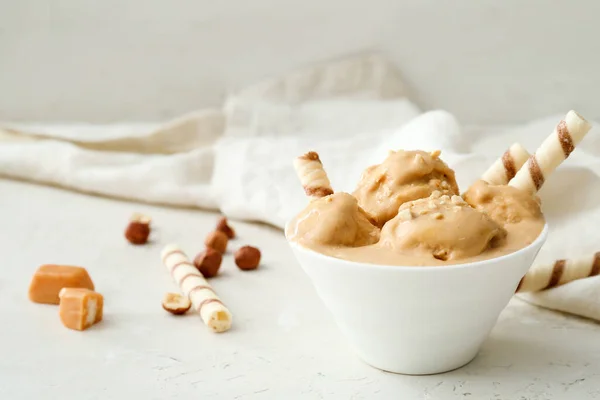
403	176
334	220
442	227
504	204
407	211
437	230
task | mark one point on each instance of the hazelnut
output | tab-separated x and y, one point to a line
224	227
217	240
208	262
138	230
247	258
176	303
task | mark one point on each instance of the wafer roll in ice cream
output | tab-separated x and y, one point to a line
554	150
191	282
312	176
547	276
505	168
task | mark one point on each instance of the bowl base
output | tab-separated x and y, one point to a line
421	372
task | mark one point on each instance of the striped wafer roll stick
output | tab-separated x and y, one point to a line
554	150
505	168
542	277
312	176
191	282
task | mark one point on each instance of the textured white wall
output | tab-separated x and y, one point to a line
115	60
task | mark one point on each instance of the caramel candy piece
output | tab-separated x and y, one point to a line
80	308
50	279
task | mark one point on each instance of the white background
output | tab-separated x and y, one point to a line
105	61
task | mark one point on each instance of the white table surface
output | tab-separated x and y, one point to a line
283	344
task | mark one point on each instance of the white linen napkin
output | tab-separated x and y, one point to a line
238	159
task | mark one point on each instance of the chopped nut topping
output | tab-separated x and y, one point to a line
405	215
458	200
440	254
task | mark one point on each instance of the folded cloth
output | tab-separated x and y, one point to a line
238	159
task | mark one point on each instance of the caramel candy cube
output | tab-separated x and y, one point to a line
50	279
80	308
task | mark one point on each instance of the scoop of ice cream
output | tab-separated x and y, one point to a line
403	176
334	220
504	204
445	227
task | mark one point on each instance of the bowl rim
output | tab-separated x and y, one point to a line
538	242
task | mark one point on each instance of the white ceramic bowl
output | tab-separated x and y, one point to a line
417	320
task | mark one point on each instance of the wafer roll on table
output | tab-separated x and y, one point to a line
191	282
505	168
542	277
553	151
312	176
